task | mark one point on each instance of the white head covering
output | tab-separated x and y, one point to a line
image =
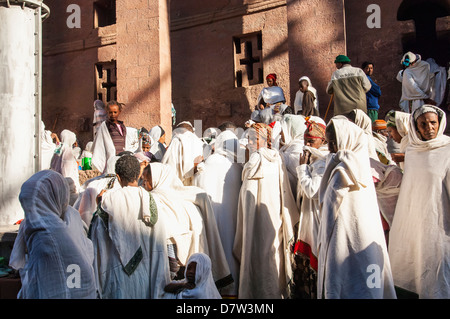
53	237
411	56
364	122
293	127
414	136
205	288
227	145
65	162
155	132
351	145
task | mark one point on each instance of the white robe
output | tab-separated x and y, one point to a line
419	240
438	81
415	83
184	147
352	255
103	147
309	179
86	203
65	162
220	177
51	247
47	147
130	258
267	214
205	287
293	127
191	223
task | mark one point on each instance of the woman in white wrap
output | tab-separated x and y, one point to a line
267	213
198	282
130	253
352	255
64	162
419	243
52	252
190	222
220	177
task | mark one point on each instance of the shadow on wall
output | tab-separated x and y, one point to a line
426	40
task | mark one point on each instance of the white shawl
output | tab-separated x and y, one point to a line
86	202
65	162
415	80
184	147
353	259
103	147
191	222
402	125
267	214
309	179
293	128
419	240
205	288
220	177
52	247
47	147
130	257
365	123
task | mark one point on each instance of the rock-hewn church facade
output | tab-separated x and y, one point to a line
210	58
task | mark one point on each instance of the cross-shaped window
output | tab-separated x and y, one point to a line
248	60
106	87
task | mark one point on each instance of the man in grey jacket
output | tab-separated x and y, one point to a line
349	86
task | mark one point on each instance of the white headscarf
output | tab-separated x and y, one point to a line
227	145
205	288
65	162
364	122
415	139
350	234
192	224
51	239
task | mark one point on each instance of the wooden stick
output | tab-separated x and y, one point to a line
331	99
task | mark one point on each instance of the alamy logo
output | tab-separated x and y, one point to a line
74	279
74	19
374	19
374	279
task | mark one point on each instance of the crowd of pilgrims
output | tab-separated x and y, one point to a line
289	206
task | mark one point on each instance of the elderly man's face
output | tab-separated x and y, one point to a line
428	125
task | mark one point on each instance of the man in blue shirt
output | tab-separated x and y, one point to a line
373	94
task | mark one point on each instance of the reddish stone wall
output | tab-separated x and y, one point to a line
203	61
382	46
143	63
316	37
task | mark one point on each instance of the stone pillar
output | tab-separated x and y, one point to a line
316	35
144	81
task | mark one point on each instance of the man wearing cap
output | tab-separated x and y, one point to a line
349	86
415	79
